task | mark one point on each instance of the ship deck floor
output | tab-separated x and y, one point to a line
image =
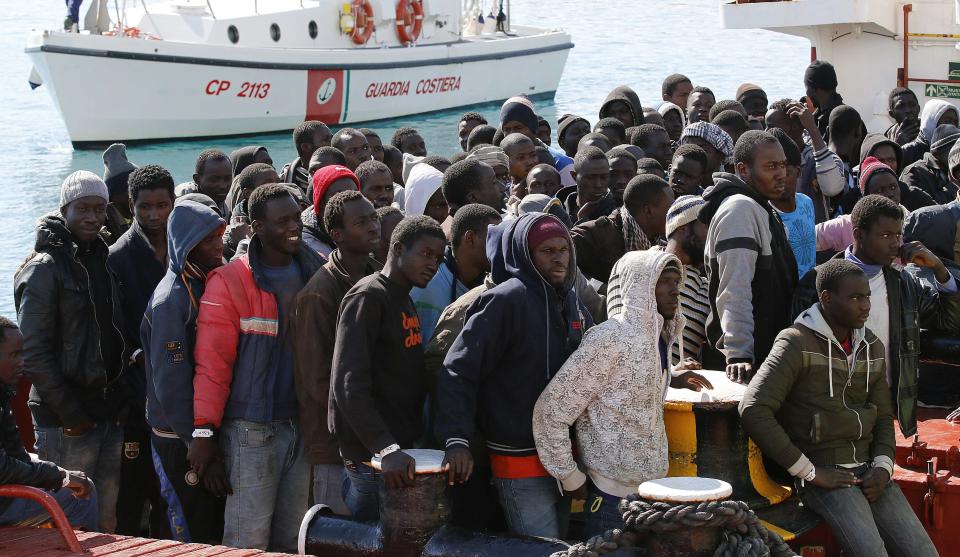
47	542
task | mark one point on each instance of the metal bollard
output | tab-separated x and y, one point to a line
413	523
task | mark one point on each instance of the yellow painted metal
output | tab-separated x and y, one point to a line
771	490
785	534
934	35
682	438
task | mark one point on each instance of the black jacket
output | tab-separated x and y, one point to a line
138	272
15	464
62	338
914	304
599	244
926	174
602	208
936	228
914	151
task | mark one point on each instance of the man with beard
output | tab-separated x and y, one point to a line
686	238
750	265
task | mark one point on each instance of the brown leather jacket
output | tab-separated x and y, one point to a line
315	328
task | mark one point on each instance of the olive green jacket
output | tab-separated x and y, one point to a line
807	406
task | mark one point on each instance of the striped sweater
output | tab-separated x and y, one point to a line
695	307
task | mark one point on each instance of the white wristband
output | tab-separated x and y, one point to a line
390	449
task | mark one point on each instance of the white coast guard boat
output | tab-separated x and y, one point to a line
200	68
875	45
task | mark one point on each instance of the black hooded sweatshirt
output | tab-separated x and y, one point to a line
910	197
627	95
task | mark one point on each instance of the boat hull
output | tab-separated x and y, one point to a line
112	95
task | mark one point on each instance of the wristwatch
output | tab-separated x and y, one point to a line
66	478
813	474
202	433
390	449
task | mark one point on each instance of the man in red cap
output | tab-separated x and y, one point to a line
327	182
836	234
515	338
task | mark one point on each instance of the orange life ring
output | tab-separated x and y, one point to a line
409	20
363	21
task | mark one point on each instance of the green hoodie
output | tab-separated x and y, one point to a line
806	408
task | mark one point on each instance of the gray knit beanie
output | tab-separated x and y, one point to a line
953	162
944	138
82	183
115	161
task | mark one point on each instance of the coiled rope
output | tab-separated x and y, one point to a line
744	535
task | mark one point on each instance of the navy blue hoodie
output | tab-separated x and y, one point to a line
169	328
515	338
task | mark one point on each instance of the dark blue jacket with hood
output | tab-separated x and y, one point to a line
516	337
169	328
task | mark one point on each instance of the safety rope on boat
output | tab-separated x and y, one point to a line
744	535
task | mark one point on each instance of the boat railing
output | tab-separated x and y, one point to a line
903	74
113	20
471	10
50	505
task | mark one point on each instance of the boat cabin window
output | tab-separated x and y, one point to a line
274	32
233	34
312	29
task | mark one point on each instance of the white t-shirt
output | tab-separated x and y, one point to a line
879	320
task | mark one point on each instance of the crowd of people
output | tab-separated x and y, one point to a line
228	351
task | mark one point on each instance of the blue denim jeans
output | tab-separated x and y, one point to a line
888	526
600	512
534	506
361	491
328	487
270	481
82	513
96	453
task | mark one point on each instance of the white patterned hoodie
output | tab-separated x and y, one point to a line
612	388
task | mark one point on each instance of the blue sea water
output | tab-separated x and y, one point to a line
632	42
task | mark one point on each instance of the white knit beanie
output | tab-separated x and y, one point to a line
82	183
684	210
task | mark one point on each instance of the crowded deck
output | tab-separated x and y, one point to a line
673	326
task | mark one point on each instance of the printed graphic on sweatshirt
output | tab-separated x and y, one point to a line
411	329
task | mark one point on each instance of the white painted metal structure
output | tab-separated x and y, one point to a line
183	75
864	40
